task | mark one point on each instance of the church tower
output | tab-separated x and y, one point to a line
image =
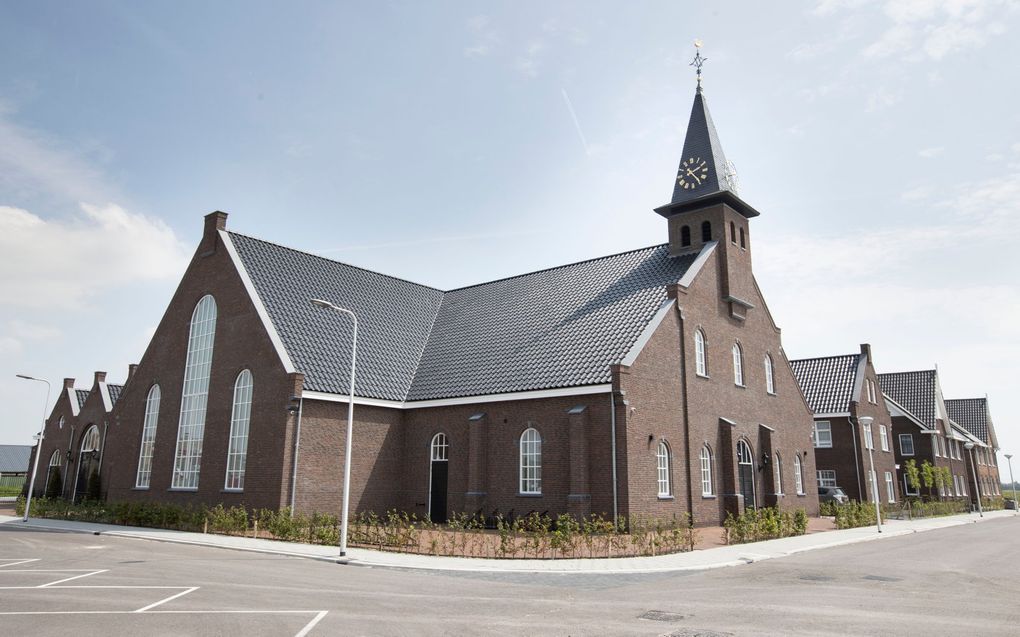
705	208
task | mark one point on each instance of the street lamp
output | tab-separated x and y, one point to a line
866	425
38	446
350	422
1012	482
969	446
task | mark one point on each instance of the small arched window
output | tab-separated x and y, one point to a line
733	233
743	242
770	382
240	418
531	461
685	236
55	459
60	423
738	365
144	474
778	470
706	230
700	356
662	458
706	471
744	453
798	474
440	448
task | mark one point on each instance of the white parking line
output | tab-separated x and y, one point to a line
163	601
68	579
310	625
17	561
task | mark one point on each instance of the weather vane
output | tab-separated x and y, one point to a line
698	61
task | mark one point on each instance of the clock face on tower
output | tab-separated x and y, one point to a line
693	172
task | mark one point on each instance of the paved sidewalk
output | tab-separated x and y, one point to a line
696	560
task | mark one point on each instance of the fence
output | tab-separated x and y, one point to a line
11	485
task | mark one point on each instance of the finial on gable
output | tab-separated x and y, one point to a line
698	61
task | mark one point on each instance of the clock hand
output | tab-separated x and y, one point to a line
693	176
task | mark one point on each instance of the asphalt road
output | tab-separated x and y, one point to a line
959	580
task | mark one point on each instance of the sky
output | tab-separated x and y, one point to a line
452	143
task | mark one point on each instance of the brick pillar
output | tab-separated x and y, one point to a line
579	498
726	456
474	499
768	468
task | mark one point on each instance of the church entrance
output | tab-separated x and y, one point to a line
438	478
745	474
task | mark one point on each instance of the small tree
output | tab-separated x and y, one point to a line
55	484
940	479
913	474
928	475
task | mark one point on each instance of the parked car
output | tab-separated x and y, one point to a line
832	494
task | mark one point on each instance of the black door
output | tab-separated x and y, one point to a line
437	491
745	473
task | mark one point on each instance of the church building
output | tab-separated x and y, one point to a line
647	383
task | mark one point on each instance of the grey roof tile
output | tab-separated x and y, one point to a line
915	391
972	415
14	458
827	382
115	392
82	395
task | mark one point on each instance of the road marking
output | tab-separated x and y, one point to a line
310	625
19	561
163	601
68	579
165	612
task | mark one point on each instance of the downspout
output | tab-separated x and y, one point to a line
686	413
853	431
612	433
297	446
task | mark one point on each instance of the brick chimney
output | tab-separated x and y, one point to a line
68	383
132	368
100	377
214	222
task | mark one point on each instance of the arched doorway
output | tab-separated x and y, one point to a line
745	473
439	465
54	480
88	463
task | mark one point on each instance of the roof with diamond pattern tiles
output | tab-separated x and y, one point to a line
972	415
827	382
915	391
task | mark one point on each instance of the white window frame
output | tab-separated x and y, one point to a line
706	472
818	431
798	474
826	476
143	476
910	439
770	379
890	490
55	459
738	365
240	422
530	462
907	489
869	439
700	353
662	463
195	395
778	471
883	433
439	449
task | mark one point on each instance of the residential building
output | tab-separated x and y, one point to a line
974	417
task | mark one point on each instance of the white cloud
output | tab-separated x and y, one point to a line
928	153
483	37
529	63
59	264
17	333
916	194
882	98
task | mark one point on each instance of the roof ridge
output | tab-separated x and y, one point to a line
425	345
822	358
916	371
319	256
557	267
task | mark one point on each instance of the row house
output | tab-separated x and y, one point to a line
974	419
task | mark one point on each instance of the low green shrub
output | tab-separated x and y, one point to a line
854	514
766	523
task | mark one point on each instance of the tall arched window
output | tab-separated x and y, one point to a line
54	464
745	474
770	382
531	461
738	365
706	230
706	471
685	236
662	458
240	417
191	428
779	473
88	463
700	356
148	438
798	474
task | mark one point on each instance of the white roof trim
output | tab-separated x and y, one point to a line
699	262
862	371
841	414
465	400
896	409
105	393
72	397
646	335
281	351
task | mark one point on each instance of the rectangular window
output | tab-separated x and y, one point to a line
869	440
890	491
826	477
883	432
963	485
706	472
906	444
937	447
907	489
823	434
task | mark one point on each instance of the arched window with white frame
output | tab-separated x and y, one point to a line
195	395
700	353
144	474
706	471
240	419
778	470
55	459
663	466
531	462
738	365
798	474
770	370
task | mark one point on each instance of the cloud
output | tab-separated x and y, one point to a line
17	333
928	153
60	264
882	98
483	37
529	63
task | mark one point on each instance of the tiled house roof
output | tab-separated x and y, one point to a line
972	415
561	327
915	391
115	392
827	382
14	458
83	395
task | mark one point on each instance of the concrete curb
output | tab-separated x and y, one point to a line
745	553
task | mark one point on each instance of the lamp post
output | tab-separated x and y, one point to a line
1012	482
969	446
38	445
866	425
350	422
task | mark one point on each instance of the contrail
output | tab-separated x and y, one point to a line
577	124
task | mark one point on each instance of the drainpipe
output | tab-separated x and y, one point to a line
612	433
297	446
853	430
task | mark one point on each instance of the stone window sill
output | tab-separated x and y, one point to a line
529	495
666	497
184	489
707	497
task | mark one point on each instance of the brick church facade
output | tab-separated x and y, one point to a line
650	383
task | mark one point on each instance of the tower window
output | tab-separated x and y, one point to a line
733	233
706	231
743	242
685	236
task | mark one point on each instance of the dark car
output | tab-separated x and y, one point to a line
832	494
